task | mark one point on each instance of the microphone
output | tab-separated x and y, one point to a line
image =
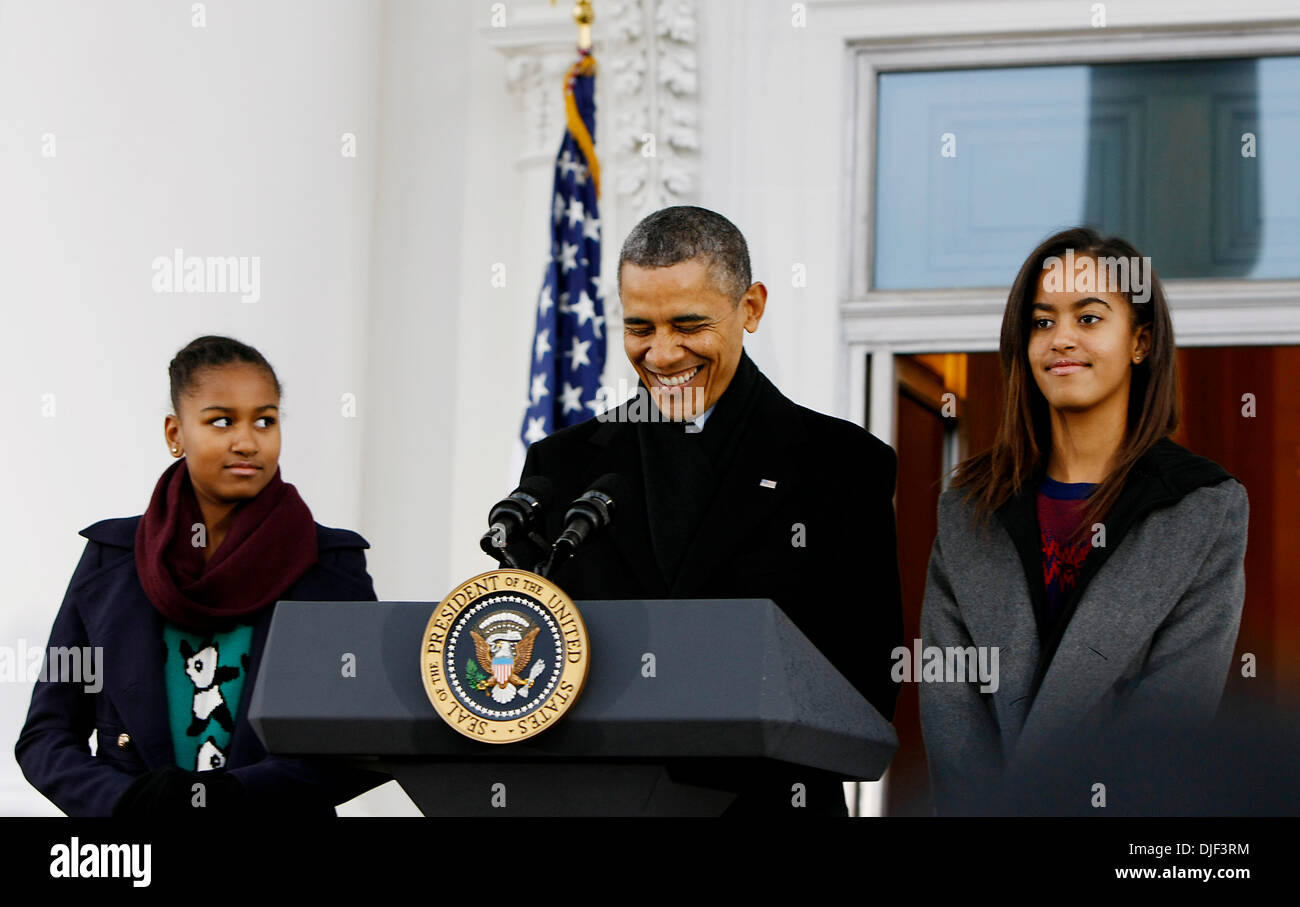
591	512
514	515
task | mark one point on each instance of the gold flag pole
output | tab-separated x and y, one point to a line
586	65
583	16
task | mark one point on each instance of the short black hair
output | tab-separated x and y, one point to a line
685	232
211	351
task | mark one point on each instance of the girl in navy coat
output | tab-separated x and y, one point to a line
179	601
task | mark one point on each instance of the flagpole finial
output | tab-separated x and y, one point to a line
583	15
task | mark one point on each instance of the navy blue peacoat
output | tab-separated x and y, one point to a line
106	606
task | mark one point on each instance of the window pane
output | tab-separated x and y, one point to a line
976	167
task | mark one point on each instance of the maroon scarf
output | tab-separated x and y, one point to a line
270	545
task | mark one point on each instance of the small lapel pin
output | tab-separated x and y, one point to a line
767	483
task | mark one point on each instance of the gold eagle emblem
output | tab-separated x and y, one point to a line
484	652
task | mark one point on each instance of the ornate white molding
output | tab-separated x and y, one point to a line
647	128
539	43
536	75
650	56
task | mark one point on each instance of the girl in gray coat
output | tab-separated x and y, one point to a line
1102	561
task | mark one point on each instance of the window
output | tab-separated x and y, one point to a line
1190	160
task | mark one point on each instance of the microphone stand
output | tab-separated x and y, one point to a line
495	549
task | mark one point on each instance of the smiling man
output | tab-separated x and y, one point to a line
737	492
682	329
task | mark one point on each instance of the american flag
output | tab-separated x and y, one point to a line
568	351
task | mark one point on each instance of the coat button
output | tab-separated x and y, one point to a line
123	740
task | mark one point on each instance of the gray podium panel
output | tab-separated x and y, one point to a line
731	679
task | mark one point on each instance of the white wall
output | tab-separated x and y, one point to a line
418	247
223	140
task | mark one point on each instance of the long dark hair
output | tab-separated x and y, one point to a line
1024	438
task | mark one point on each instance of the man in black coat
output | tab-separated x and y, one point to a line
736	492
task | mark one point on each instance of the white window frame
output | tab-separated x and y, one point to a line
877	324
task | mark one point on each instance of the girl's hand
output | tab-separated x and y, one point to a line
172	791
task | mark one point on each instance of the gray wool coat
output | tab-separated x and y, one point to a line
1151	637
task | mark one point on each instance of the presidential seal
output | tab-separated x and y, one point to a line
504	656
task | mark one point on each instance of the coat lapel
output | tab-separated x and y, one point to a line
630	526
1076	663
763	453
991	570
1115	618
1087	662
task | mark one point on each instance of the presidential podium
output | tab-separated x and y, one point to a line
676	689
